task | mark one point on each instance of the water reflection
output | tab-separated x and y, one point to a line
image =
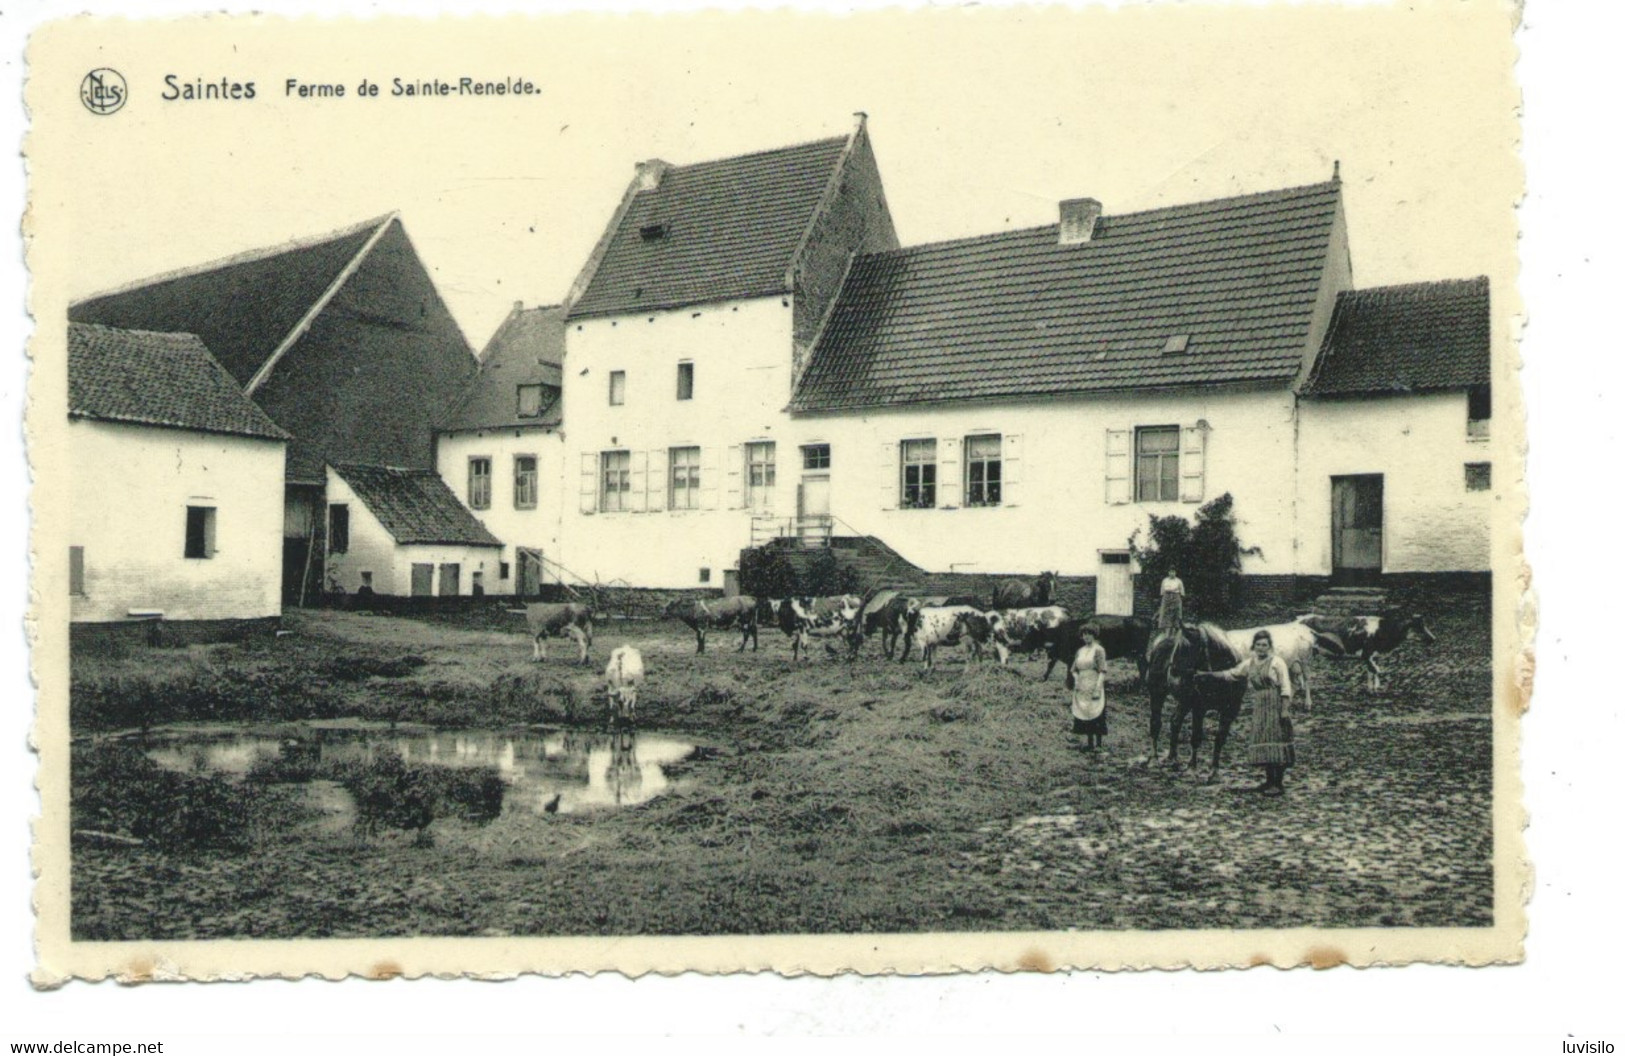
565	771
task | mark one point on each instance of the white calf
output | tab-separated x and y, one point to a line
623	676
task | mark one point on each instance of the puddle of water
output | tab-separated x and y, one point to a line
564	772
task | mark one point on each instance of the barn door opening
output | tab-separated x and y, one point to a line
451	575
1114	584
1357	528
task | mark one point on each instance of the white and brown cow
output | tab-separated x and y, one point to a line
1367	637
1296	645
704	614
569	619
934	626
622	677
803	619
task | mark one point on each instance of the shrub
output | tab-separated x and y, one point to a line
117	789
1207	554
391	792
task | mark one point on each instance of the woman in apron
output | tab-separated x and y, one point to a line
1086	679
1269	737
1171	611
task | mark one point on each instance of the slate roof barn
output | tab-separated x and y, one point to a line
1217	292
1419	337
342	340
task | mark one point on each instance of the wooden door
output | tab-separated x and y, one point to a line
422	580
451	574
530	572
1357	526
1114	584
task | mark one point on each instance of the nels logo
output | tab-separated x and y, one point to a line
103	91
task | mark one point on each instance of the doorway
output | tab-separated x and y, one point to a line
451	575
530	572
813	523
1114	584
1357	528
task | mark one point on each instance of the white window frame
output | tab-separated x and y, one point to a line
761	474
1164	481
917	459
989	490
683	478
614	481
523	483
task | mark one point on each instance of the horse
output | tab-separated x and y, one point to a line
1176	658
1017	594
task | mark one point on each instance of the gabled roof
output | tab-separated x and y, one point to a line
1414	338
415	506
149	378
527	349
714	231
247	308
1018	315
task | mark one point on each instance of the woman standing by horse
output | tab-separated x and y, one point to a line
1269	738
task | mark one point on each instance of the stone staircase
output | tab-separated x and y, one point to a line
1352	601
873	563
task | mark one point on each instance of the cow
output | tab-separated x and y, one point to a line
702	614
883	614
1018	594
1367	637
933	626
1120	636
1295	643
622	678
1026	628
802	619
567	618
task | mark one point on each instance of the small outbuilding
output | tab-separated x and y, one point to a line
176	492
402	532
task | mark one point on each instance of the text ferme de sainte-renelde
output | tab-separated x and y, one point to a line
226	89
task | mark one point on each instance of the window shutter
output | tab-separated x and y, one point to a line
1192	462
709	473
734	469
1119	466
949	485
659	475
891	477
589	482
637	499
1010	471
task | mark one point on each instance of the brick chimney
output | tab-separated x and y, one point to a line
1078	217
650	173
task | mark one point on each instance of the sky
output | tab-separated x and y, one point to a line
982	120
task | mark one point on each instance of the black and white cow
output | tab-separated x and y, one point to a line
566	618
703	614
1367	637
934	626
1120	636
1027	628
803	619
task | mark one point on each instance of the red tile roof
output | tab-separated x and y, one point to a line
162	379
1425	336
415	506
1017	315
527	349
731	229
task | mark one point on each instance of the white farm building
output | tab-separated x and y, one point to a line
749	355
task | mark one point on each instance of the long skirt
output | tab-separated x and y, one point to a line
1171	613
1269	738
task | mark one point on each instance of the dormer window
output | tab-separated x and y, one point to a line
530	401
653	232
